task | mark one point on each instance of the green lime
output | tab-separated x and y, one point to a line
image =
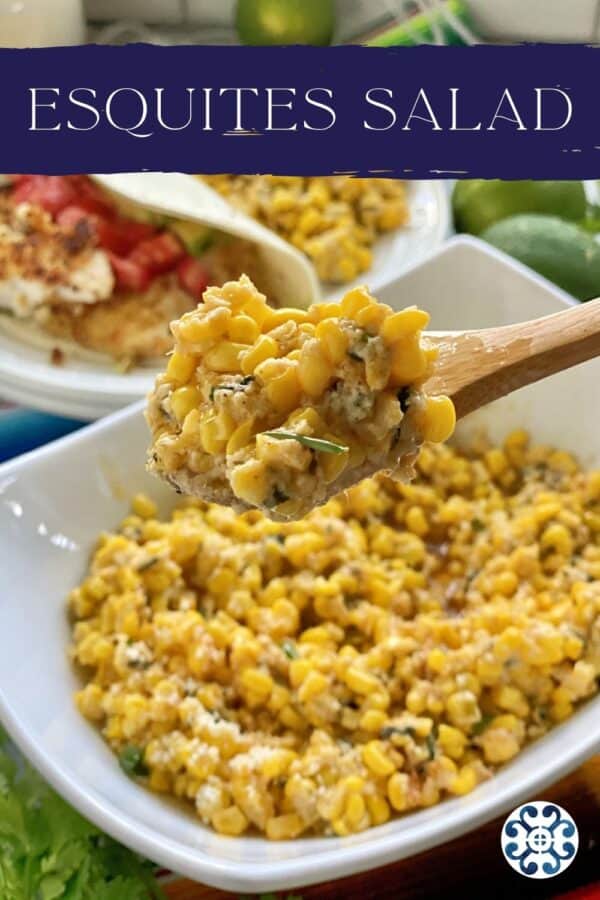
285	21
559	250
477	204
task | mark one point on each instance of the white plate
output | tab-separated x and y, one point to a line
54	502
91	387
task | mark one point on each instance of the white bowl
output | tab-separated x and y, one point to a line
54	502
89	386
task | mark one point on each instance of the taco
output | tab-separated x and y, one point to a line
99	270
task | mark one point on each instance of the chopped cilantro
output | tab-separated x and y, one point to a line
289	648
131	760
390	730
479	727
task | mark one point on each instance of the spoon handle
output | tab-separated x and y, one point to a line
476	367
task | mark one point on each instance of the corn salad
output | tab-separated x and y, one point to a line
335	221
280	409
319	677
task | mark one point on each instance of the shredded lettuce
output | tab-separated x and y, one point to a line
49	852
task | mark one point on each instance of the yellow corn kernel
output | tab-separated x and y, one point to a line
286	827
436	660
277	764
464	781
211	437
404	323
282	316
298	671
308	415
559	538
326	311
416	521
371	317
360	682
314	369
243	330
333	464
317	635
314	684
180	367
290	718
496	461
265	348
230	821
373	720
451	740
256	682
256	308
408	361
284	392
241	437
334	340
354	301
160	782
505	583
511	699
249	482
184	400
143	506
194	330
378	808
225	357
355	810
340	827
439	419
376	759
397	791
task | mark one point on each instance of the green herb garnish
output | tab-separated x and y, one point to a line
430	741
313	443
49	851
247	379
289	648
479	727
148	563
390	730
131	760
477	525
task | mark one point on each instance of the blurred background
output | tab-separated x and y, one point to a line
31	22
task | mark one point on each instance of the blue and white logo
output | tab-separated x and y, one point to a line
539	839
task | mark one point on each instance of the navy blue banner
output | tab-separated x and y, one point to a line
411	112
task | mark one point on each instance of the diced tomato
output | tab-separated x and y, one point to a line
129	275
92	197
18	179
123	235
158	254
193	277
52	192
119	236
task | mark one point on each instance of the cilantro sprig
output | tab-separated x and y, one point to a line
319	444
49	852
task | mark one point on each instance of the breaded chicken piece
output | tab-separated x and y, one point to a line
135	326
131	326
42	264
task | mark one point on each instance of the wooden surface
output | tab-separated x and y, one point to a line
471	866
476	367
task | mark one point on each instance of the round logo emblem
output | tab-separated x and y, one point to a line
539	839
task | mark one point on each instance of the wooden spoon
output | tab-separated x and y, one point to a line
476	367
